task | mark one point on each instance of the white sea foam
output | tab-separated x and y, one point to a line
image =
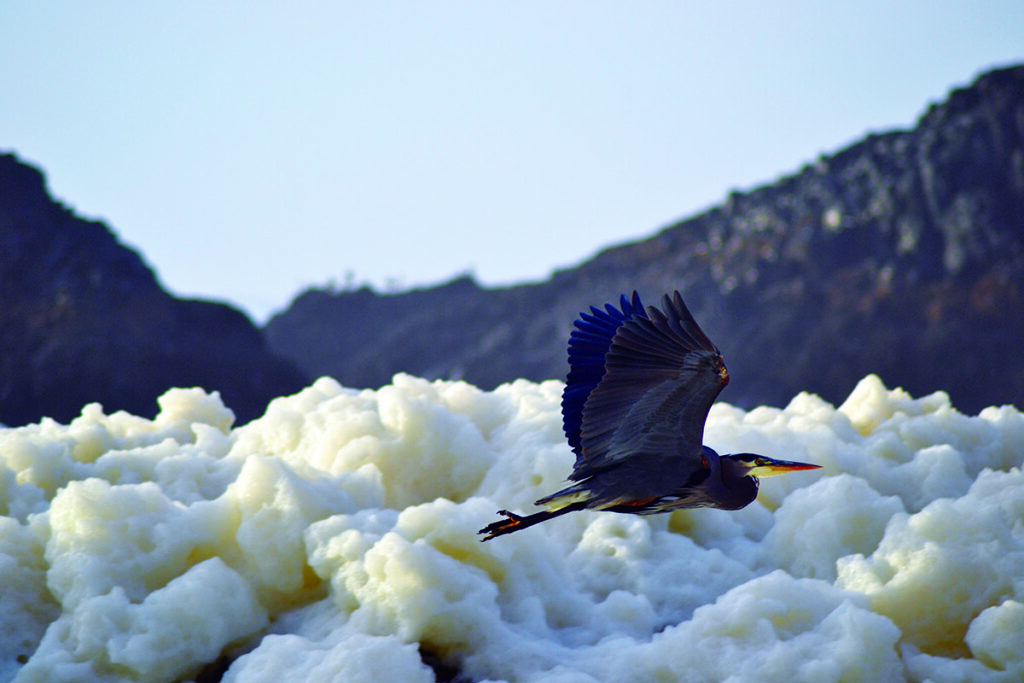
335	539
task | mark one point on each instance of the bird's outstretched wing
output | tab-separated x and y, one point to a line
650	398
588	345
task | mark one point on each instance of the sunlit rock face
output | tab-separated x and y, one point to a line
335	539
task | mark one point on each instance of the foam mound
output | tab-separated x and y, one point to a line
335	539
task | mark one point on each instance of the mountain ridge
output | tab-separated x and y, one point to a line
901	255
894	255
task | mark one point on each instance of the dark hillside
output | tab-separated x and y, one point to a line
84	319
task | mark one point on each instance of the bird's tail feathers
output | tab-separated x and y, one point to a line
577	493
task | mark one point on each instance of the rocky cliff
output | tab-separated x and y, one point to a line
83	319
901	255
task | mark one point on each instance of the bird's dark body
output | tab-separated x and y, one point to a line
641	382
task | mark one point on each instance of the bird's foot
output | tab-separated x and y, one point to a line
502	526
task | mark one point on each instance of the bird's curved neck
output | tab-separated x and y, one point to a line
739	486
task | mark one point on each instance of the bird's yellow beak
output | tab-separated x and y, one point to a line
769	467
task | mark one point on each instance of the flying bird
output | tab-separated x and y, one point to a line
641	382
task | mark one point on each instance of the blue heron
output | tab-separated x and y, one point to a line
641	382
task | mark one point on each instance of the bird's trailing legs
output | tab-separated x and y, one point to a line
514	522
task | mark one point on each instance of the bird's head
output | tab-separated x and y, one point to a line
754	465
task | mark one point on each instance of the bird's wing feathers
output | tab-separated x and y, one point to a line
588	346
660	376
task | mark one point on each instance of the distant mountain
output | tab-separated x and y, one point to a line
901	255
83	319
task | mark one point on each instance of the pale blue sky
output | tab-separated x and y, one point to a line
250	149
